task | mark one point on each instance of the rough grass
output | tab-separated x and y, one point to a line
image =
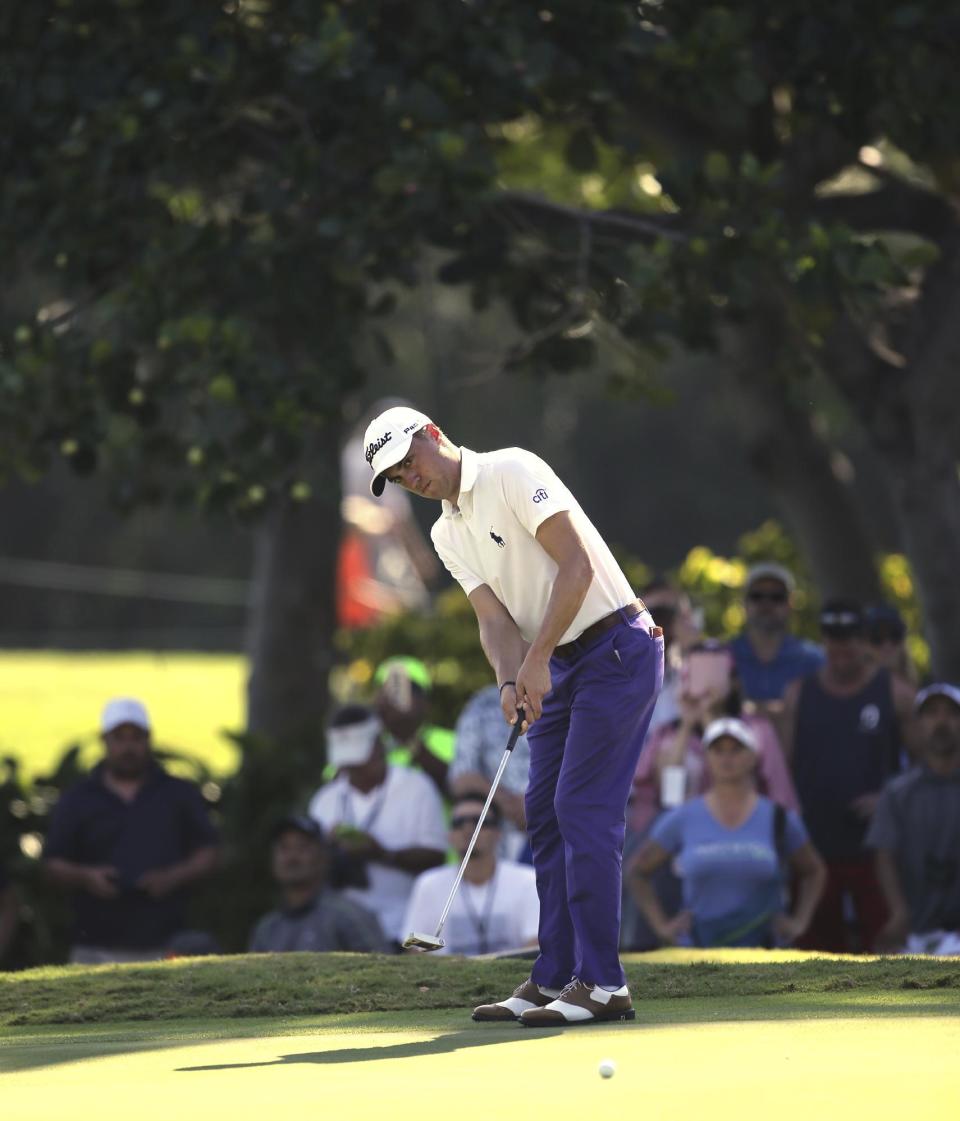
51	699
293	985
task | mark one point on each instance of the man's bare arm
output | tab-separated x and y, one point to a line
502	643
559	539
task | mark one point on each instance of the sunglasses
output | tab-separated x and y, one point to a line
767	597
471	823
879	638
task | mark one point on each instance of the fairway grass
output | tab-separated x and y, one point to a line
796	1057
51	699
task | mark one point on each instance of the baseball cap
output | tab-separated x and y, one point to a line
387	441
882	620
938	689
841	618
302	823
123	710
768	570
730	726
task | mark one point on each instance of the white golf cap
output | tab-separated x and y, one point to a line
938	689
123	710
730	726
387	441
769	570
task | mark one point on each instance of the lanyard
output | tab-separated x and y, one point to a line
346	808
482	923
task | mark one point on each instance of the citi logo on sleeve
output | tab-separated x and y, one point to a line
498	539
540	495
373	448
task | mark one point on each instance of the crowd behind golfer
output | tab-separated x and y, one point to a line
863	856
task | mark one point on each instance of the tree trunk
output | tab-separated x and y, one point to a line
908	399
927	493
292	621
798	465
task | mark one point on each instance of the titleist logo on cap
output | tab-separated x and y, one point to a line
373	448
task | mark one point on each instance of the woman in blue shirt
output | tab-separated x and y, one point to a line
736	853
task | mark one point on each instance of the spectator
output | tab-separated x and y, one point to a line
735	850
312	916
402	704
845	726
9	914
671	609
385	564
387	819
887	635
127	841
672	766
496	907
767	656
481	738
916	834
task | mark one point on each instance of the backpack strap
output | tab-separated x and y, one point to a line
780	833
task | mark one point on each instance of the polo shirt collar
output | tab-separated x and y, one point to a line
469	468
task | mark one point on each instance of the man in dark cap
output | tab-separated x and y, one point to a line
845	727
312	916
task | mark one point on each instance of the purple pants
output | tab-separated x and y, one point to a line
583	754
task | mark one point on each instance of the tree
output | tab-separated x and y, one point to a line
777	186
204	205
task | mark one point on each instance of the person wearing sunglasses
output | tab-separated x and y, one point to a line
846	728
887	637
767	656
496	908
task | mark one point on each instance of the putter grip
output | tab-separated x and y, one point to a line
515	730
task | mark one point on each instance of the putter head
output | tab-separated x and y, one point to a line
423	942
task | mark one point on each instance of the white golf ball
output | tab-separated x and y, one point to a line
607	1068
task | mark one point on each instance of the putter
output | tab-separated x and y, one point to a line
435	941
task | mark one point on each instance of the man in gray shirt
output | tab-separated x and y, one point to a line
916	834
312	916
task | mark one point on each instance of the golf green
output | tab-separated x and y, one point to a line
790	1056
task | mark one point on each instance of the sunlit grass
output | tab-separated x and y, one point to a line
50	699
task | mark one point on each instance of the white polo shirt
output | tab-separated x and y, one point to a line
502	914
490	538
405	812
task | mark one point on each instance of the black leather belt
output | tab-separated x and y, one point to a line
583	640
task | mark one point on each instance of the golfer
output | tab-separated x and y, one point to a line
578	654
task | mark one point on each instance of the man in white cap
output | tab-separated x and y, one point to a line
578	657
387	819
127	840
767	656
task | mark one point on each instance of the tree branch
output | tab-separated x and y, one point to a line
542	211
897	206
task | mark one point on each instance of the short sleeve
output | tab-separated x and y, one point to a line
884	831
667	830
464	576
532	491
428	828
61	838
471	734
359	930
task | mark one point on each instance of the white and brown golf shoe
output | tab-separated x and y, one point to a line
580	1003
525	997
